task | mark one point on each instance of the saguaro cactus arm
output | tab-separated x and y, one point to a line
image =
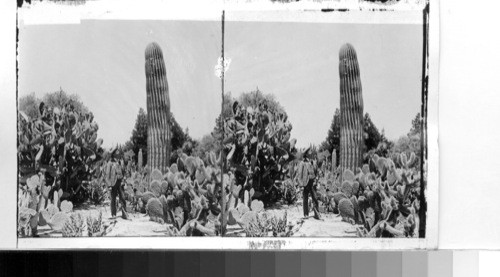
351	109
158	109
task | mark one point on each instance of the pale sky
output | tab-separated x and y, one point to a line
103	62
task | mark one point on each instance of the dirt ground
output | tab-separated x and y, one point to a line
139	225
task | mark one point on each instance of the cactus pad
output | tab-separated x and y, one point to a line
354	202
381	165
155	188
154	209
212	158
257	206
156	175
233	217
248	218
46	191
33	182
346	208
57	221
164	187
200	175
348	175
365	169
338	196
355	187
43	217
347	188
242	208
146	196
191	165
66	206
173	168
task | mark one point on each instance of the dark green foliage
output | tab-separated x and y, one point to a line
411	142
204	146
332	141
373	139
139	137
29	105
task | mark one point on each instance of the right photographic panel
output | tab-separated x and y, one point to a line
325	128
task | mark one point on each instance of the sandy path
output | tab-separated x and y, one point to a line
139	225
330	225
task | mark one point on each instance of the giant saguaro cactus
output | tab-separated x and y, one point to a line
158	106
351	110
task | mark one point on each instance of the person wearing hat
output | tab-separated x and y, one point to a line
116	178
306	175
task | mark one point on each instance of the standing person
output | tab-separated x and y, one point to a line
306	174
116	178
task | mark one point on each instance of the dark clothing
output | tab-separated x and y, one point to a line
309	189
117	190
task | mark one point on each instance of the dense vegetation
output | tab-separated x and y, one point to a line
247	164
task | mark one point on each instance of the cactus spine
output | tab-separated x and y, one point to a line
158	109
351	110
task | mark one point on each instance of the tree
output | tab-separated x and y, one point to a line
374	140
416	126
410	142
139	139
227	112
61	98
29	105
247	99
372	135
332	140
256	97
178	135
206	144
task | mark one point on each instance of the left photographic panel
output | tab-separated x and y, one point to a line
115	118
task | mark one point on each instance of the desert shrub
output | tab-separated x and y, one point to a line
95	225
73	227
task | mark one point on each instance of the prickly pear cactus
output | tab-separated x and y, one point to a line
347	188
146	196
155	187
158	109
351	110
156	175
338	196
346	209
154	209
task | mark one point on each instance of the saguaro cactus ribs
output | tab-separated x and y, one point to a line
158	109
351	109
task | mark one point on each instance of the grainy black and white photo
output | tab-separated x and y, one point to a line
231	127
